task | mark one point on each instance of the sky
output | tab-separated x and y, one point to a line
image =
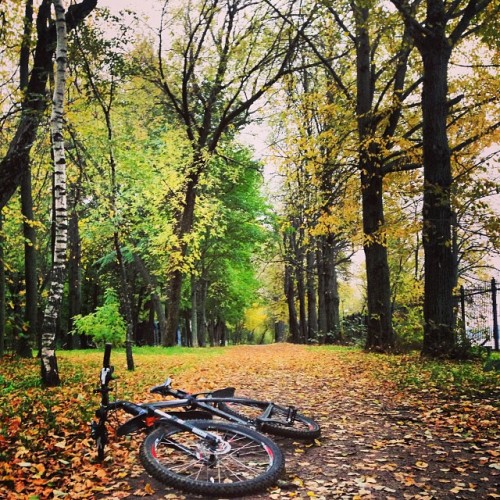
148	7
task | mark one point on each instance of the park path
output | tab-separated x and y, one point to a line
377	443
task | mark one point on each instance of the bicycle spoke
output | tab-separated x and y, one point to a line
241	462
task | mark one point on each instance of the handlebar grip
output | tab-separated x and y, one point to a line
132	408
107	355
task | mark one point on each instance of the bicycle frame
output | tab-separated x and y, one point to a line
211	399
146	415
271	418
204	457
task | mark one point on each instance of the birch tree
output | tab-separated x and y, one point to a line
16	160
49	369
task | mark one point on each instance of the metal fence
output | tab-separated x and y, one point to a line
478	313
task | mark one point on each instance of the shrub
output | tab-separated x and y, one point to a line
106	324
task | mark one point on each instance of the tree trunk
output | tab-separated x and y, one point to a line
29	331
320	266
298	254
331	302
184	226
30	277
279	331
194	312
211	333
126	303
380	333
312	317
439	338
380	330
290	299
2	288
153	287
223	333
49	369
173	307
202	320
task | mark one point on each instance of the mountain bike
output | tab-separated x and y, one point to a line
199	456
263	416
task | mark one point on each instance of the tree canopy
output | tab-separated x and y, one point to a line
199	239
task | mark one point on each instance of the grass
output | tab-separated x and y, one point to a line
412	372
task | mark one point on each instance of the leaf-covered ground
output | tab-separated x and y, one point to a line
392	428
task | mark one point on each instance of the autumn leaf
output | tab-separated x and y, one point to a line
376	440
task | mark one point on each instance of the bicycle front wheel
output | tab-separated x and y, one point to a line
245	461
280	422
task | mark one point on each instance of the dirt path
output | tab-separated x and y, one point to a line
375	444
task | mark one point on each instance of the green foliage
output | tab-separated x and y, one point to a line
408	325
466	377
353	330
106	324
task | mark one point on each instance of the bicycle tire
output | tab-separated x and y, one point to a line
301	428
252	463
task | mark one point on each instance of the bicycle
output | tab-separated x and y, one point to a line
264	416
199	456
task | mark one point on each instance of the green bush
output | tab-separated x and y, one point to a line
106	324
408	326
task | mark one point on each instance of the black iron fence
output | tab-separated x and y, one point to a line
478	314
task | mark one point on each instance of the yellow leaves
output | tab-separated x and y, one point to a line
40	470
255	318
421	465
146	491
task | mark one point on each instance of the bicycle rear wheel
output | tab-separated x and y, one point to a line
299	427
244	463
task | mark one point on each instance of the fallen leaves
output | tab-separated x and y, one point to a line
378	440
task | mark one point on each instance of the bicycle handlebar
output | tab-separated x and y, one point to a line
132	408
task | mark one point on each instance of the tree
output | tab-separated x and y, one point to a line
229	235
2	287
379	78
229	55
104	90
30	276
317	222
49	369
442	28
16	160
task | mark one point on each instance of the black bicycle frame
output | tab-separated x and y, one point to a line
140	413
219	396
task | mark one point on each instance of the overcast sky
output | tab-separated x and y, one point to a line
148	7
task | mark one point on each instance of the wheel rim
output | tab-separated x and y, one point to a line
239	459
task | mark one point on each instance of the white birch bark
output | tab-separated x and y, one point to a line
50	374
